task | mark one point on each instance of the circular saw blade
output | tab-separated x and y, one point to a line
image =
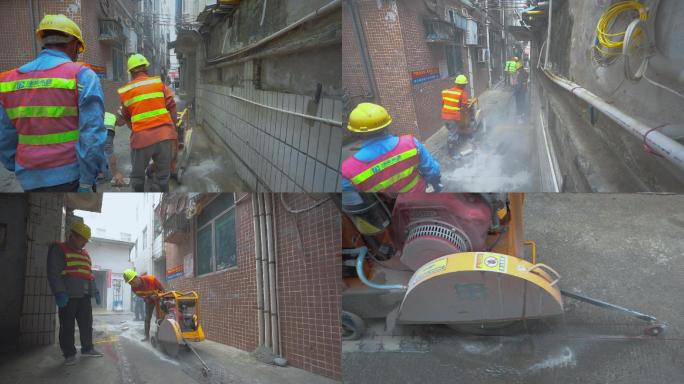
169	337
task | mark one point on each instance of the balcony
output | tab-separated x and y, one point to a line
110	31
158	248
176	228
439	31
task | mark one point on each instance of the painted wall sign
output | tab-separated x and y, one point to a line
424	75
174	272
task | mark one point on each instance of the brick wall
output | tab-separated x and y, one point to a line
17	38
395	34
308	245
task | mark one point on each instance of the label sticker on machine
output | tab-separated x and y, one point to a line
490	262
428	269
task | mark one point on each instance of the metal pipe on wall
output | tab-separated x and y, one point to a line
489	53
271	273
373	94
257	252
656	141
32	16
264	272
548	35
275	252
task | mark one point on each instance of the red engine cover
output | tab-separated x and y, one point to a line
443	218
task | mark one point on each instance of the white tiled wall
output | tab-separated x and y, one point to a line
276	151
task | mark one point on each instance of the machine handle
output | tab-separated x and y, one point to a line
548	269
533	245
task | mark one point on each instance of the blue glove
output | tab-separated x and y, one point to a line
85	188
98	298
61	298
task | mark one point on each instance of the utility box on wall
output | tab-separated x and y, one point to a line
471	32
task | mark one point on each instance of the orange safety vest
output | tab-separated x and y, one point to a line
78	263
451	104
144	98
150	286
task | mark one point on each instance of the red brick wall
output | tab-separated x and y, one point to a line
17	37
384	40
308	246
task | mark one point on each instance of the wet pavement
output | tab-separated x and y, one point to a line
629	254
127	360
501	157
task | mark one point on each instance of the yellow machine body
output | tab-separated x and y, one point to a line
174	325
477	287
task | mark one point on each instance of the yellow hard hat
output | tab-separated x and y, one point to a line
368	117
81	230
461	80
129	274
137	60
62	24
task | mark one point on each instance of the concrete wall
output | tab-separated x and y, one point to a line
114	259
272	150
13	213
602	156
308	245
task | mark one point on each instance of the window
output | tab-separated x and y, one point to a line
117	64
454	61
144	238
216	245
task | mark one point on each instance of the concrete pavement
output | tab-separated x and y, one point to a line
127	360
624	249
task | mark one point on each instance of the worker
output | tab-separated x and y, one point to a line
386	162
454	114
511	67
70	276
51	114
149	288
520	92
110	123
149	108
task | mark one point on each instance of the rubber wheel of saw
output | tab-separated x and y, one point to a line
353	326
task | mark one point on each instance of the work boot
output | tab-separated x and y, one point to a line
91	353
71	360
145	339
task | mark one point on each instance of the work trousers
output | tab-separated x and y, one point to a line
78	310
161	153
149	309
139	313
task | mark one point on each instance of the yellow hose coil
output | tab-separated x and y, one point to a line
608	40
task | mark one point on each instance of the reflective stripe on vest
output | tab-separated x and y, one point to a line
146	102
451	103
78	263
510	66
43	107
395	171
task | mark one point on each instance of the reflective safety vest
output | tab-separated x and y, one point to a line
511	66
43	107
395	171
150	286
451	104
144	98
78	263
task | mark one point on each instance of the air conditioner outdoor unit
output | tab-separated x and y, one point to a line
482	55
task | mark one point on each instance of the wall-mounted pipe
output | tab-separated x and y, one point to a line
548	35
324	10
657	141
259	283
362	251
359	32
271	274
264	271
275	253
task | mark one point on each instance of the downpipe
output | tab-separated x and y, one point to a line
275	255
257	252
264	271
272	283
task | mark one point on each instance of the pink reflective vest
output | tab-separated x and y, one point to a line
395	171
43	107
